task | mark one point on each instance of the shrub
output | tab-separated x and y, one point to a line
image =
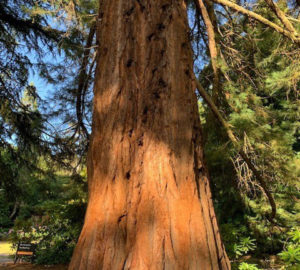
291	253
237	240
247	266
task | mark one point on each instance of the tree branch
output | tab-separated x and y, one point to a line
82	78
26	25
293	36
14	211
212	48
281	15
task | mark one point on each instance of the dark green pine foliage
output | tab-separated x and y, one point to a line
35	37
30	42
24	38
21	123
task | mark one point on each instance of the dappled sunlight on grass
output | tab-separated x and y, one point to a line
6	248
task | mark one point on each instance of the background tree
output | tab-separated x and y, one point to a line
257	76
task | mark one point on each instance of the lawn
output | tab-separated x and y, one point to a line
5	248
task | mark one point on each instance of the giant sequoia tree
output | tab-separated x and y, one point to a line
149	204
149	197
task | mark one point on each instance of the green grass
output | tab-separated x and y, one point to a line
5	248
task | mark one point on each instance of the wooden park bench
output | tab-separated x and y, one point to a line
25	250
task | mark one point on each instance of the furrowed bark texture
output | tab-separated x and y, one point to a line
149	204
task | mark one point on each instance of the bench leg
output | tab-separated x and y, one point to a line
16	259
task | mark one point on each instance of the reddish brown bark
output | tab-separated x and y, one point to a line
149	205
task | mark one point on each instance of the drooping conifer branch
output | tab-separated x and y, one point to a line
82	80
24	26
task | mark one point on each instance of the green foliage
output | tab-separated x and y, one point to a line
244	246
51	216
55	239
246	266
5	221
237	240
260	85
291	253
294	236
58	241
43	186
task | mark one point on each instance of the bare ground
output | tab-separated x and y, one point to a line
28	266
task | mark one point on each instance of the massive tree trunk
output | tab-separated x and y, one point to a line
149	204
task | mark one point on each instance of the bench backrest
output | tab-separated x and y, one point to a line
26	249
